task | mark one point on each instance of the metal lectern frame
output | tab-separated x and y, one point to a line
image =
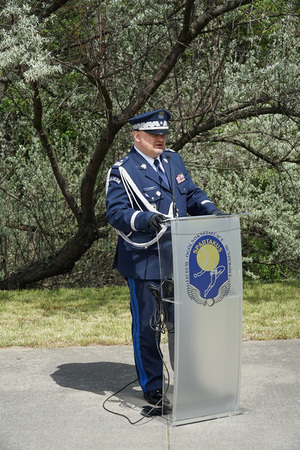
201	258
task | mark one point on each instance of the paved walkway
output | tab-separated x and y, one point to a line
51	399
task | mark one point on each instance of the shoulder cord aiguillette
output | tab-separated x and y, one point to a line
134	194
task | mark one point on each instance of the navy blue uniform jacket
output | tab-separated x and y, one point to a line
142	263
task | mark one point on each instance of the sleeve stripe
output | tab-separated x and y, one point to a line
205	201
132	220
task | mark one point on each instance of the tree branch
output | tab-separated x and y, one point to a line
188	15
55	5
28	207
247	147
229	116
212	13
102	89
88	183
38	125
188	33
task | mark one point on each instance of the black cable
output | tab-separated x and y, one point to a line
172	189
159	318
158	323
148	415
165	366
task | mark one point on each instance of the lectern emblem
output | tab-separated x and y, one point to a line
208	269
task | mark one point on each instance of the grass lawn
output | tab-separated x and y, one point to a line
80	317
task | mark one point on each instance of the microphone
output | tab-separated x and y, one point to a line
172	188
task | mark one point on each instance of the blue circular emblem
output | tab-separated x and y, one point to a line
208	274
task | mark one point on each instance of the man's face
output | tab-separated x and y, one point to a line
150	144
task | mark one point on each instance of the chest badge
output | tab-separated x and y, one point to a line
180	178
150	188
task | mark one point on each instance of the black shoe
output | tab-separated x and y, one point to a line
154	397
150	411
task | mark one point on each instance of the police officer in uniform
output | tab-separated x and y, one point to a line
139	197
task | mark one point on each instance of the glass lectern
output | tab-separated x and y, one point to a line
201	276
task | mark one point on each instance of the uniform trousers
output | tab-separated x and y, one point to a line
148	362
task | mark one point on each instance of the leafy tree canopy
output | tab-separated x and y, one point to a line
73	72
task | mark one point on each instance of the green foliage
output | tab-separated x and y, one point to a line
233	99
22	43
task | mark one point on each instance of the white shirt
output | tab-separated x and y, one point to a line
150	160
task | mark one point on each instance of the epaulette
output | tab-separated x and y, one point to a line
121	161
169	150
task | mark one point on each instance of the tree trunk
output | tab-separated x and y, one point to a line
58	264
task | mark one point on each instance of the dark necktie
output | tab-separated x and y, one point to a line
161	173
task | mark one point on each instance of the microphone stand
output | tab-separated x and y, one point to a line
172	189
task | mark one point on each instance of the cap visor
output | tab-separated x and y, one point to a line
157	131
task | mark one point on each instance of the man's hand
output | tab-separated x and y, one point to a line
155	221
217	212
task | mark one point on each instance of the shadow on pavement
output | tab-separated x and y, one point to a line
96	377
